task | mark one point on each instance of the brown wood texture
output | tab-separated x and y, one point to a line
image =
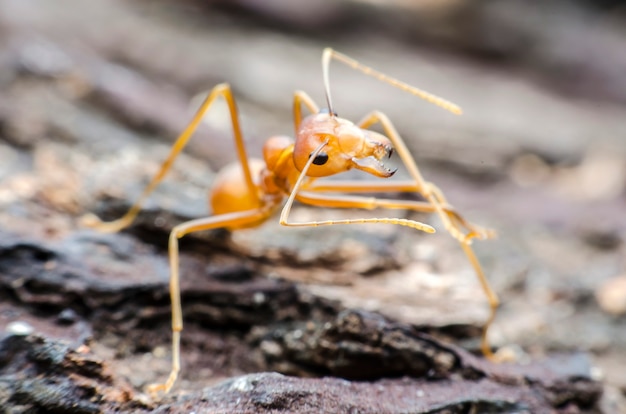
341	319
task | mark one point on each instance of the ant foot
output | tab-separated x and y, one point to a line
481	233
459	235
510	354
90	220
93	222
156	389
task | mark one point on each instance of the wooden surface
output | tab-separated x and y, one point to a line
92	94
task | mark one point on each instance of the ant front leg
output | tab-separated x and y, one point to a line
434	195
222	90
406	186
316	196
429	190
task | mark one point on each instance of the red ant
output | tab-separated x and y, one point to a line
247	193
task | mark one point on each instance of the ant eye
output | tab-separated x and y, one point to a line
321	159
326	111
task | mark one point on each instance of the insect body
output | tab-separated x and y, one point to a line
247	193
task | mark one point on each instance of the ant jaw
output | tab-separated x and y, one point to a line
372	166
379	149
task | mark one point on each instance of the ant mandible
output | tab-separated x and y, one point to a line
246	194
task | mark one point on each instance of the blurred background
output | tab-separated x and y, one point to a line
93	92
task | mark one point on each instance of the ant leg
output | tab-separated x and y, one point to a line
221	90
474	231
314	197
302	98
284	215
224	220
435	197
422	186
406	186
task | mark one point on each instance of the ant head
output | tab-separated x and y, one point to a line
347	147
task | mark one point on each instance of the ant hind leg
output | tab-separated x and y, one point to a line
222	90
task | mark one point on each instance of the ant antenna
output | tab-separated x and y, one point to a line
346	60
326	56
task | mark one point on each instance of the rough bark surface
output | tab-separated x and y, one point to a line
359	353
339	319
